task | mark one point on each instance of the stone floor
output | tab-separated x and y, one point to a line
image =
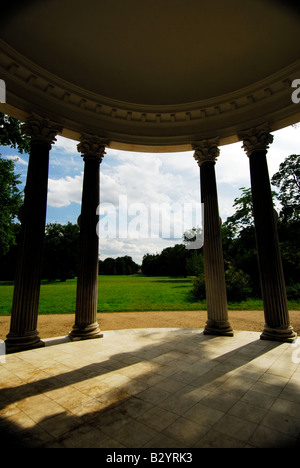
152	388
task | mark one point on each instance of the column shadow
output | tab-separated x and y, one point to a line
125	405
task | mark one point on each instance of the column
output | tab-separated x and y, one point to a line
86	325
277	327
23	328
206	153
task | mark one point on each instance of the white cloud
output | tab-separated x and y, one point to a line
150	179
62	192
110	188
232	167
65	145
18	160
136	249
286	142
149	185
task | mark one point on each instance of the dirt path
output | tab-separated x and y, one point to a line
59	325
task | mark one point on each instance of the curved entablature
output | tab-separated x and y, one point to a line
253	89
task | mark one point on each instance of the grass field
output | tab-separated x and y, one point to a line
124	294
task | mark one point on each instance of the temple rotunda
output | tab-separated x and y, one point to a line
149	76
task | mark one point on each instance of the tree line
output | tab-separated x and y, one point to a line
118	266
173	261
238	233
60	260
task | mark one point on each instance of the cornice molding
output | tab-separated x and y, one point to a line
32	88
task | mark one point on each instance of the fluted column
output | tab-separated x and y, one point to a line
277	327
206	153
86	326
23	328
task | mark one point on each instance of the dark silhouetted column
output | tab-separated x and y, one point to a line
23	329
206	153
277	323
86	326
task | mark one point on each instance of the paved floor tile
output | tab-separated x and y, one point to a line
219	400
258	399
135	434
61	424
265	437
203	414
248	412
154	395
155	388
236	427
186	431
289	425
164	441
216	439
84	436
158	418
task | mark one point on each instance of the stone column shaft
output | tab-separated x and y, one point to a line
217	323
86	325
23	328
277	321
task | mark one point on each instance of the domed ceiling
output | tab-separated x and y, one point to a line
152	75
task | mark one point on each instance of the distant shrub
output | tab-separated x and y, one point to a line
293	291
237	284
198	290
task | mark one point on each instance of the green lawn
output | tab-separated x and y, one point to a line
123	293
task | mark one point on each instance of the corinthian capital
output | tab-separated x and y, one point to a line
92	147
256	139
206	150
41	130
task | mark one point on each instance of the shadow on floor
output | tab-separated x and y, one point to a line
141	411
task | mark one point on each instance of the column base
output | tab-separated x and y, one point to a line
218	328
87	332
15	343
283	334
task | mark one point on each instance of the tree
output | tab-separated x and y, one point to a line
119	266
9	260
151	265
131	267
11	198
243	217
287	179
11	134
109	266
239	246
173	261
194	263
61	251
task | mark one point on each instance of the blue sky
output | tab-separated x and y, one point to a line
146	182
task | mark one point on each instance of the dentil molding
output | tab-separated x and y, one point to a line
31	88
